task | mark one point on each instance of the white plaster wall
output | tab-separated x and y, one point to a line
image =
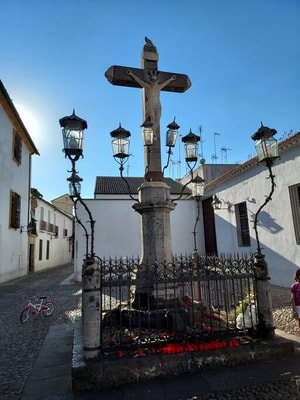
275	229
182	227
60	249
13	244
118	229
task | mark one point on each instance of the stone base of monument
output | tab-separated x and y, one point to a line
114	371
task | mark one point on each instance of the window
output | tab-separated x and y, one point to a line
40	249
65	231
43	223
294	191
15	210
242	224
49	225
42	214
48	250
17	148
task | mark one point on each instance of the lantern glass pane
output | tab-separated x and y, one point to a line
191	152
171	137
147	136
74	189
73	139
198	189
266	149
120	148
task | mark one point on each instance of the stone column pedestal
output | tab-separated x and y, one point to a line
265	325
154	207
91	308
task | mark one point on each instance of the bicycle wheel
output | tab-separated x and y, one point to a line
49	307
24	317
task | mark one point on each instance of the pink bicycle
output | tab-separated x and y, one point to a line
44	307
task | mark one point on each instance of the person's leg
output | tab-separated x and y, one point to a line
298	314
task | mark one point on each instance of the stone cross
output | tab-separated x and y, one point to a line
152	82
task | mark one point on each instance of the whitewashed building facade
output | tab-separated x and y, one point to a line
50	235
16	150
242	190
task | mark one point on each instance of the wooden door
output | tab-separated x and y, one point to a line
209	227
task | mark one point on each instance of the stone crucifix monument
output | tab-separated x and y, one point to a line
155	203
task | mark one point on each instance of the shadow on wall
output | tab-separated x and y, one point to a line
267	222
281	269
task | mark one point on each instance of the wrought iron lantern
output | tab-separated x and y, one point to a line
147	132
266	145
73	135
171	134
191	147
74	185
198	187
216	203
120	144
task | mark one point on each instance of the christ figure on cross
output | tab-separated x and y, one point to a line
152	95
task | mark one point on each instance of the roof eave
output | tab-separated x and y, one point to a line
16	120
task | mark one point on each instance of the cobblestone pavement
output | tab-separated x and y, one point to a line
285	389
20	344
282	310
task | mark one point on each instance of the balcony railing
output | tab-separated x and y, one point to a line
43	225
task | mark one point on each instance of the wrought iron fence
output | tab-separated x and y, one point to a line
190	302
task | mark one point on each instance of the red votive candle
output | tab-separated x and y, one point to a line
140	352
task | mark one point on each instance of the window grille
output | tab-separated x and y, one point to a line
294	192
17	148
15	210
242	224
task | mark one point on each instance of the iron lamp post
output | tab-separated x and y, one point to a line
267	152
73	128
191	156
197	192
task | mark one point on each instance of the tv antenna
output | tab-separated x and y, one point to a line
224	151
214	156
202	160
172	173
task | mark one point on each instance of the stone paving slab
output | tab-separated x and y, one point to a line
241	378
20	344
51	375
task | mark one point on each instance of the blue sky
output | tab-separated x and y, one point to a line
242	57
